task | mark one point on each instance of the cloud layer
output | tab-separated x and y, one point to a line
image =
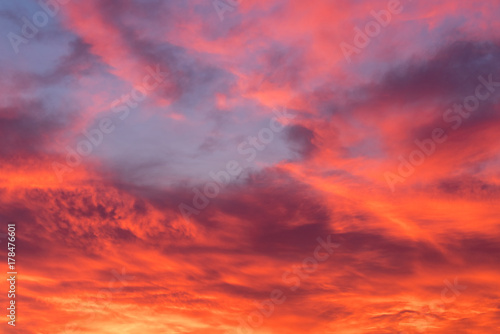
186	166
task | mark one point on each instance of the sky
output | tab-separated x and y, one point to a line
251	166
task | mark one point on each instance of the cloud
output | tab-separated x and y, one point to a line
109	246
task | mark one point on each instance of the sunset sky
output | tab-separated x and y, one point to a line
251	166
